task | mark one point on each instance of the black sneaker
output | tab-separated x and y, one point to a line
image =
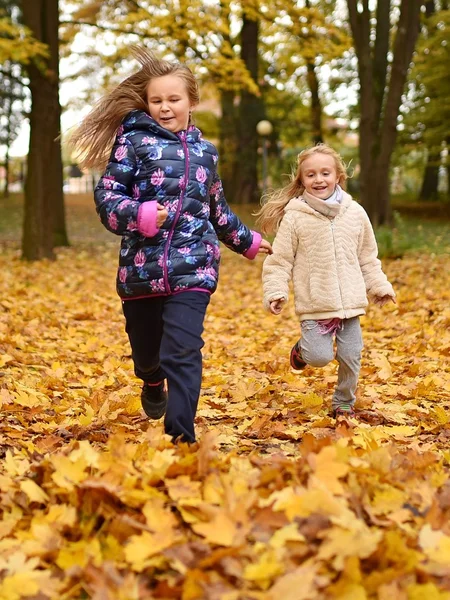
154	400
296	360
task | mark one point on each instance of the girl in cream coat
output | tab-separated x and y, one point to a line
325	244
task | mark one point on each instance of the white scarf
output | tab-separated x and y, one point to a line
328	206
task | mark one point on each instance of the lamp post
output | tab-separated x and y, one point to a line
264	129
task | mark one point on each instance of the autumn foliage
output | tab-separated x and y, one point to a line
274	502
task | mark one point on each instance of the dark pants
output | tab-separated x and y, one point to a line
165	334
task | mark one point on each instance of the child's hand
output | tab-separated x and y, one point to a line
382	300
265	247
276	306
161	215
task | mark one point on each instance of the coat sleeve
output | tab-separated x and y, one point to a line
228	226
115	195
377	284
277	268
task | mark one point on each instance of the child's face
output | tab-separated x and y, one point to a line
168	102
318	175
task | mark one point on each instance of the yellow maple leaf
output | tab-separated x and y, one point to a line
384	368
142	547
299	502
221	530
426	591
158	517
328	469
435	544
33	491
442	416
15	465
296	585
79	554
87	452
342	543
88	416
388	499
5	359
68	472
19	585
289	533
265	569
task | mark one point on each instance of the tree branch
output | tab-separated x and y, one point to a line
103	27
12	77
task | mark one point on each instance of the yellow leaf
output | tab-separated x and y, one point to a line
79	554
221	530
341	543
384	368
328	469
88	417
388	499
87	452
442	416
426	591
302	503
15	465
19	585
265	570
141	547
5	359
28	399
311	400
158	517
296	585
290	533
435	544
68	472
33	491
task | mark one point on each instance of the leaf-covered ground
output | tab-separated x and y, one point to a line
274	502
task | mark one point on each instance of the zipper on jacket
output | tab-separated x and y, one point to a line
335	256
182	137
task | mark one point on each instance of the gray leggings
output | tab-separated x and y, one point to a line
317	350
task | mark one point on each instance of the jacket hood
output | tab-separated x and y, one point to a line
140	120
298	204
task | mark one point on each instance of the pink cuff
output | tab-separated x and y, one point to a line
146	218
256	243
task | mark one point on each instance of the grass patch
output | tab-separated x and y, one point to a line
418	227
412	234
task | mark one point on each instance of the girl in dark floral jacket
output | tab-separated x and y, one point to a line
161	192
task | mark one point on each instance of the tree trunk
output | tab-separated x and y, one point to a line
251	111
44	221
6	163
316	105
380	97
430	181
228	145
228	142
5	192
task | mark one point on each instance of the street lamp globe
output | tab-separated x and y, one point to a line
264	127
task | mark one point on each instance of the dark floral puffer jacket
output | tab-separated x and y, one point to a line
150	165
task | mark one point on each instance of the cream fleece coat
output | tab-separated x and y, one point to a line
332	262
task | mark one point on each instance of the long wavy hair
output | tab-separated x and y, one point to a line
93	139
274	203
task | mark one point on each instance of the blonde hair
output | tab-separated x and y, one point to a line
271	213
94	137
